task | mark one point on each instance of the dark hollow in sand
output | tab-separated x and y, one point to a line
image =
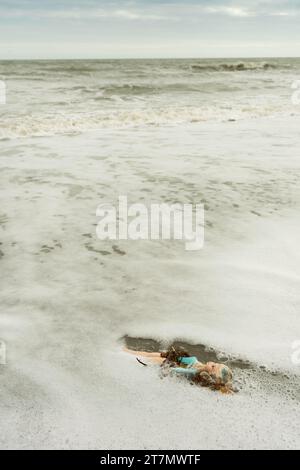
203	353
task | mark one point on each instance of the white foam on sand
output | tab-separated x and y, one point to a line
242	297
67	298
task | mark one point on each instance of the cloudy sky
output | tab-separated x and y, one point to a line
148	28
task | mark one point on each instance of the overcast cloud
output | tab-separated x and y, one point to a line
141	28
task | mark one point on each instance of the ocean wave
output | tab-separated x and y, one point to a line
237	67
129	89
64	123
35	125
134	90
72	69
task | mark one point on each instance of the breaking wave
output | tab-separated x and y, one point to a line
34	125
236	67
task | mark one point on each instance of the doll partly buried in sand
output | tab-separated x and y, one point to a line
178	362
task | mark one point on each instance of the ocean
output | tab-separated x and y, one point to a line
55	97
76	134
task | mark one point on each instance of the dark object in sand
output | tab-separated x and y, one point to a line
141	362
173	354
199	350
250	371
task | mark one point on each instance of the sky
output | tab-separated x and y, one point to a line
52	29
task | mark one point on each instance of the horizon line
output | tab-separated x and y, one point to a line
152	58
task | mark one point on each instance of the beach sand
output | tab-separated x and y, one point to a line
68	298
